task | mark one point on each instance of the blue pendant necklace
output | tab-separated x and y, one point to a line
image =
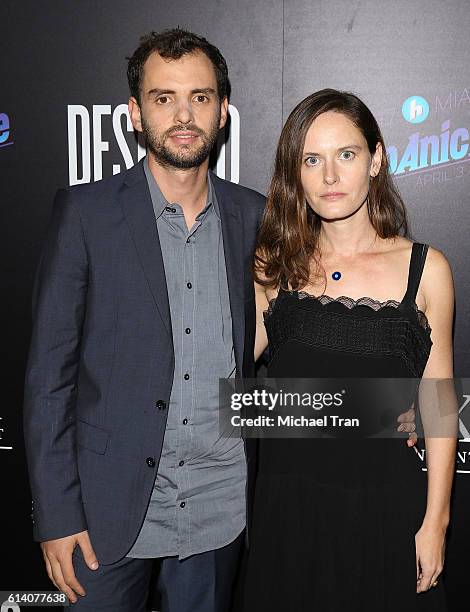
337	274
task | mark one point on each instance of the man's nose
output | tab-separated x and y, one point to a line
183	113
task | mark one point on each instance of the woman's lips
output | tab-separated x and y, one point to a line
333	195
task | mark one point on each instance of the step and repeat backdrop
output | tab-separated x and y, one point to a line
64	121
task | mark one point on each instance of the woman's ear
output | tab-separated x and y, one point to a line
376	160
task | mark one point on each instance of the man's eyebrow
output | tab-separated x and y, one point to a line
160	92
206	90
351	146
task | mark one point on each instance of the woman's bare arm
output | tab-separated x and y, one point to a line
440	452
438	291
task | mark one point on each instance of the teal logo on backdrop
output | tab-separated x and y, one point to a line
415	109
426	147
5	131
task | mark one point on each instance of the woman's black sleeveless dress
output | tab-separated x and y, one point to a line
334	520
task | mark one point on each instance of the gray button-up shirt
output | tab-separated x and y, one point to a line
198	501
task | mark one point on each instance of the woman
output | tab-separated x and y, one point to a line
345	525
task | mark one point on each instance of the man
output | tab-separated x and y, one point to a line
143	299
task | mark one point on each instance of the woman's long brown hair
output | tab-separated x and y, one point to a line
288	239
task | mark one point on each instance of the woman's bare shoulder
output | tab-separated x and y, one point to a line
437	266
437	281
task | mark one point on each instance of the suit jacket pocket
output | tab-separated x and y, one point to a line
92	437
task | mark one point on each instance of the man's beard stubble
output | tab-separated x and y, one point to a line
166	157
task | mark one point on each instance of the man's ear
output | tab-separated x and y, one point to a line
376	160
134	114
223	112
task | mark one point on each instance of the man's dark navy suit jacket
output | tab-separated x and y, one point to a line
101	359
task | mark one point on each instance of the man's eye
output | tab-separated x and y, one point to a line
163	99
348	155
201	98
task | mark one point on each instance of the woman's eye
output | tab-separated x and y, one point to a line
311	161
347	155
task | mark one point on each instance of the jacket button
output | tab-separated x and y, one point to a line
160	405
150	461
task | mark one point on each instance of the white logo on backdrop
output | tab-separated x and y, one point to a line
462	454
86	145
2	446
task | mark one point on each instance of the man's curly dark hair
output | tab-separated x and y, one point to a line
173	44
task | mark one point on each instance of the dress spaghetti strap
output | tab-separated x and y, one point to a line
418	257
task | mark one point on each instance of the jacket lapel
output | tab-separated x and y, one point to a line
232	235
137	206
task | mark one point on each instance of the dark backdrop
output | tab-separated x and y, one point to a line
62	122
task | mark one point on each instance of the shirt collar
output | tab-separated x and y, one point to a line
160	202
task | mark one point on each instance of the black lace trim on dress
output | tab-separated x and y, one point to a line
351	303
329	329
